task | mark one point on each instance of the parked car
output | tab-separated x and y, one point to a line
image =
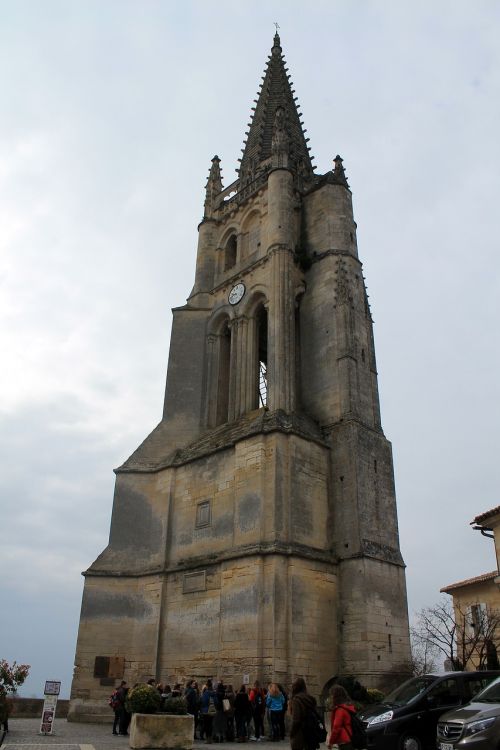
475	726
407	718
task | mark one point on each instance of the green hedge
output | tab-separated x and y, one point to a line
143	699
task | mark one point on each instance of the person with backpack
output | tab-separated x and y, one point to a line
257	699
302	707
192	701
121	711
114	703
208	710
341	724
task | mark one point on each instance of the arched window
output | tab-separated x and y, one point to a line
250	236
261	349
298	378
224	370
230	253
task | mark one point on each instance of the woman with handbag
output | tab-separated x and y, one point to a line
208	710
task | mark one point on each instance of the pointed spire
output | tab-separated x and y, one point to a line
213	187
261	145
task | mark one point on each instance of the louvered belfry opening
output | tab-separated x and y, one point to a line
261	329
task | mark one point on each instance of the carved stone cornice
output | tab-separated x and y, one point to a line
262	549
226	436
377	551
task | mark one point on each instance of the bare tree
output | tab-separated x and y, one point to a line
423	655
464	637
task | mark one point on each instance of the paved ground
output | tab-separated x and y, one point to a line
24	735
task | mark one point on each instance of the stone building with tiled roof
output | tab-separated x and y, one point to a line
476	600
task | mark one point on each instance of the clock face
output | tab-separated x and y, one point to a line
236	294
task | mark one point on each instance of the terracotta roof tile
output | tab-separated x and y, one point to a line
470	581
483	516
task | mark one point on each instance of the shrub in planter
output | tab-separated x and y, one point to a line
143	699
175	705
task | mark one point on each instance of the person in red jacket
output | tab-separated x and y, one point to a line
340	724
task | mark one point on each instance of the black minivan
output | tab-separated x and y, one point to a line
408	717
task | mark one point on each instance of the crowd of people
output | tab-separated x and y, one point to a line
223	715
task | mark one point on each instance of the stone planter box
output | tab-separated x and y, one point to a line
162	730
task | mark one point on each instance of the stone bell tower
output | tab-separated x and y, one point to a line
254	532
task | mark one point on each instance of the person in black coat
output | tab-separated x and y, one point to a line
242	714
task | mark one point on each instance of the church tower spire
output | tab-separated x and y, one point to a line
263	502
276	97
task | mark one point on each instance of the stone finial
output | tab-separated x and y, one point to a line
276	48
213	187
339	173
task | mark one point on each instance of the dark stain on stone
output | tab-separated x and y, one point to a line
183	539
298	599
279	599
223	525
249	511
102	604
239	603
133	524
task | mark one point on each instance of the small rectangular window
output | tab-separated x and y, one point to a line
203	514
196	581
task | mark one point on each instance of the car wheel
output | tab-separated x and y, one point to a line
410	742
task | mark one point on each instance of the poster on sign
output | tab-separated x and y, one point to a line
47	721
52	690
52	687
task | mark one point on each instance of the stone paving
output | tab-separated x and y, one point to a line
24	735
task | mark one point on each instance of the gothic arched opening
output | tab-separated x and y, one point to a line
261	330
230	252
224	371
298	378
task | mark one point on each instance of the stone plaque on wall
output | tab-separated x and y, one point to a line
196	581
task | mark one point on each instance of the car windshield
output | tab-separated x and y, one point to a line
490	694
409	690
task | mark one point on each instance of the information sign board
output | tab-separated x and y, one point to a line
52	690
52	687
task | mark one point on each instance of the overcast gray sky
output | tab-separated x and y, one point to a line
110	113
